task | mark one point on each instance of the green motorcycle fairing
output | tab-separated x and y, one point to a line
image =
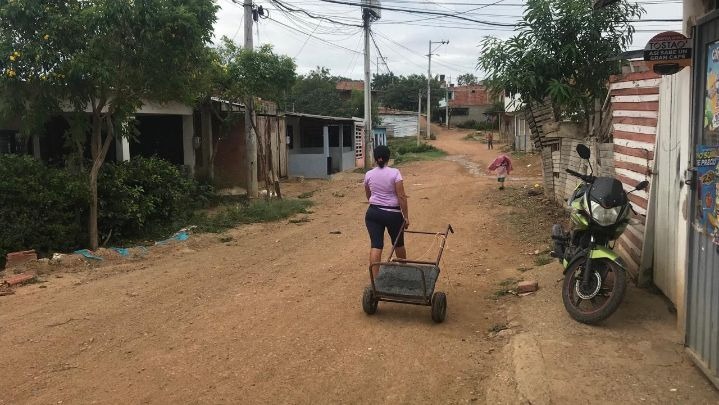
599	252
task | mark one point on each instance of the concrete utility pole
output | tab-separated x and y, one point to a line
446	100
429	86
419	115
250	141
369	141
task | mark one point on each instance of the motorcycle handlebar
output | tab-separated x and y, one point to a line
587	178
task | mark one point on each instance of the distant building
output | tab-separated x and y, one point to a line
346	87
470	103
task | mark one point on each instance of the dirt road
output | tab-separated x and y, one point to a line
273	315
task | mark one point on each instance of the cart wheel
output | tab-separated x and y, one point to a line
369	302
439	307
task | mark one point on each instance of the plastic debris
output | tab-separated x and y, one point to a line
87	254
124	252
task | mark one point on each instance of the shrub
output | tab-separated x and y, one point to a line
469	124
41	208
146	197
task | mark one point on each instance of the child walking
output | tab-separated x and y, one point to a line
502	165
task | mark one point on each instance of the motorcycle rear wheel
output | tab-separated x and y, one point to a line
600	306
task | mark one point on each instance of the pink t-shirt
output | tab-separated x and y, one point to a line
381	183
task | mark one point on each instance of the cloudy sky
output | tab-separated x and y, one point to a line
402	38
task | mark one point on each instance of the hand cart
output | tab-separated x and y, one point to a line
408	281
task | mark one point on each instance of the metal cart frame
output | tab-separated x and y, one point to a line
437	300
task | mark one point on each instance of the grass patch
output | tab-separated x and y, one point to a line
226	239
542	260
307	194
508	282
255	211
301	220
498	327
406	150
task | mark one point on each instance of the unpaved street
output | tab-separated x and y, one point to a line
274	314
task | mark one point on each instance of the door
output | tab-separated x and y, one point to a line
702	328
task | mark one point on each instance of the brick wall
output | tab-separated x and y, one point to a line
464	96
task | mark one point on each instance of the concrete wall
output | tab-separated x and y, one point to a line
348	160
308	165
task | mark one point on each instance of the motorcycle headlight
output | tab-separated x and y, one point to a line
605	216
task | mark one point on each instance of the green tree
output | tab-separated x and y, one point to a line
403	92
563	50
102	56
316	93
246	74
467	79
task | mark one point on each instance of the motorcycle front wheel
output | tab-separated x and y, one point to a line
597	301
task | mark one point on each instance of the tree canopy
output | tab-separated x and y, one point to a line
467	79
244	73
564	49
401	92
102	56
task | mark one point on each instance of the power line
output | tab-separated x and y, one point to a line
384	60
415	11
312	36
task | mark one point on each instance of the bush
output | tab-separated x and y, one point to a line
478	125
41	208
469	124
146	197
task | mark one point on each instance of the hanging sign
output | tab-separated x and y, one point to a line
668	52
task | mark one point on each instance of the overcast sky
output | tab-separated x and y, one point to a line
402	38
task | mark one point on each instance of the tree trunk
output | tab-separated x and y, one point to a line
98	160
269	174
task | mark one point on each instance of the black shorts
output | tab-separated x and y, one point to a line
377	220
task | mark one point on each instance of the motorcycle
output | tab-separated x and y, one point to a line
595	276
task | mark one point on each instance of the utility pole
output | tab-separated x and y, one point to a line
446	100
429	86
419	115
369	135
250	141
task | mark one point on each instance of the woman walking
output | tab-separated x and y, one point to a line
387	207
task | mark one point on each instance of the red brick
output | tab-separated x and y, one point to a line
19	279
527	286
18	258
634	136
640	153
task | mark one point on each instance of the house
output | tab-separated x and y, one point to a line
515	128
319	146
470	103
198	138
665	128
346	87
400	124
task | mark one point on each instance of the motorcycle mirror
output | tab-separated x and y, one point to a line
643	185
583	151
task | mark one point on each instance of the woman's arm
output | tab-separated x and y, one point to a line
402	197
367	191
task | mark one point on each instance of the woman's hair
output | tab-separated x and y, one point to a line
381	155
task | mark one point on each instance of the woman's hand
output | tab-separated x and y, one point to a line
406	223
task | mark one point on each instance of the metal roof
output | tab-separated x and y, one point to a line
319	117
